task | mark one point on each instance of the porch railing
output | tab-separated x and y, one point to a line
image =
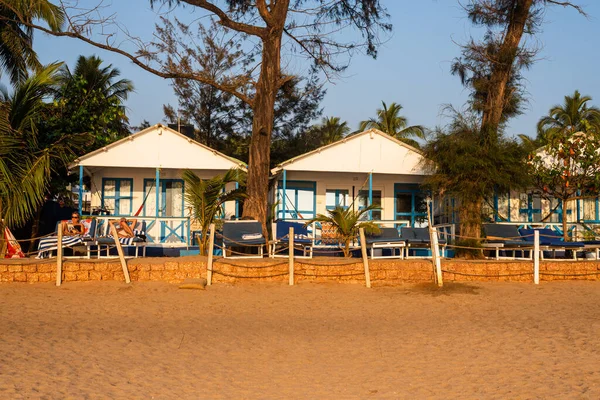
161	230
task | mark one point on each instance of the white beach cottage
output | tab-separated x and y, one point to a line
124	176
370	167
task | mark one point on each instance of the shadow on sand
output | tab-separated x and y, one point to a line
446	290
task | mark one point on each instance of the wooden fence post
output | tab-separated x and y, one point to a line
211	247
536	257
59	255
363	250
435	255
115	235
291	255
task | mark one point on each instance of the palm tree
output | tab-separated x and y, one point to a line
346	222
207	196
332	129
16	50
26	164
391	122
573	116
97	78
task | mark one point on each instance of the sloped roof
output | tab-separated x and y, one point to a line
368	151
158	147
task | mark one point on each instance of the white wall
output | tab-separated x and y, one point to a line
138	175
339	180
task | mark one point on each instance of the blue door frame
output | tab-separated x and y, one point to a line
165	230
292	208
414	192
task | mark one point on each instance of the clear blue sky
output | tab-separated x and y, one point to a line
413	67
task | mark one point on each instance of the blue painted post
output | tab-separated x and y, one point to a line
80	188
578	207
370	194
237	203
156	183
284	194
496	208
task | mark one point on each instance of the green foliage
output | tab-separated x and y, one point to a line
16	39
391	122
330	130
568	166
89	99
469	167
573	116
207	197
346	223
26	162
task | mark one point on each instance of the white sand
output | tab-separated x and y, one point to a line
153	340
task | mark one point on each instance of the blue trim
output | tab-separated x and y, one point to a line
370	195
496	211
237	203
577	205
156	185
80	189
338	193
413	214
295	186
284	194
117	197
161	196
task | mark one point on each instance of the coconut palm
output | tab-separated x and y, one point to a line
346	223
16	50
391	122
207	196
25	163
573	116
332	129
97	77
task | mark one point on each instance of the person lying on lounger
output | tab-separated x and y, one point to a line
73	227
125	227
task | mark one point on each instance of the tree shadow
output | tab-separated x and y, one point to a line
446	290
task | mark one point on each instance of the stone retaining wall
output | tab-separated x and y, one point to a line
383	272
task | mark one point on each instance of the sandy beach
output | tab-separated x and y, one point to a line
328	341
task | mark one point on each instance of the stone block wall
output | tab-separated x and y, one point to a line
321	269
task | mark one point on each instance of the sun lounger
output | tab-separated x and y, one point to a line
137	241
418	238
242	235
506	238
49	244
552	241
386	239
302	238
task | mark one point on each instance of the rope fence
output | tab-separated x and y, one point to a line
290	248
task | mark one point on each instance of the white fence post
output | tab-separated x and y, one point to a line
435	255
291	255
536	257
211	246
59	255
363	250
113	231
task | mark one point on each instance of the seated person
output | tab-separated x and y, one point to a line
124	227
73	227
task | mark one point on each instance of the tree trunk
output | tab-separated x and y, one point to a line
35	229
259	159
347	247
2	241
470	219
501	72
